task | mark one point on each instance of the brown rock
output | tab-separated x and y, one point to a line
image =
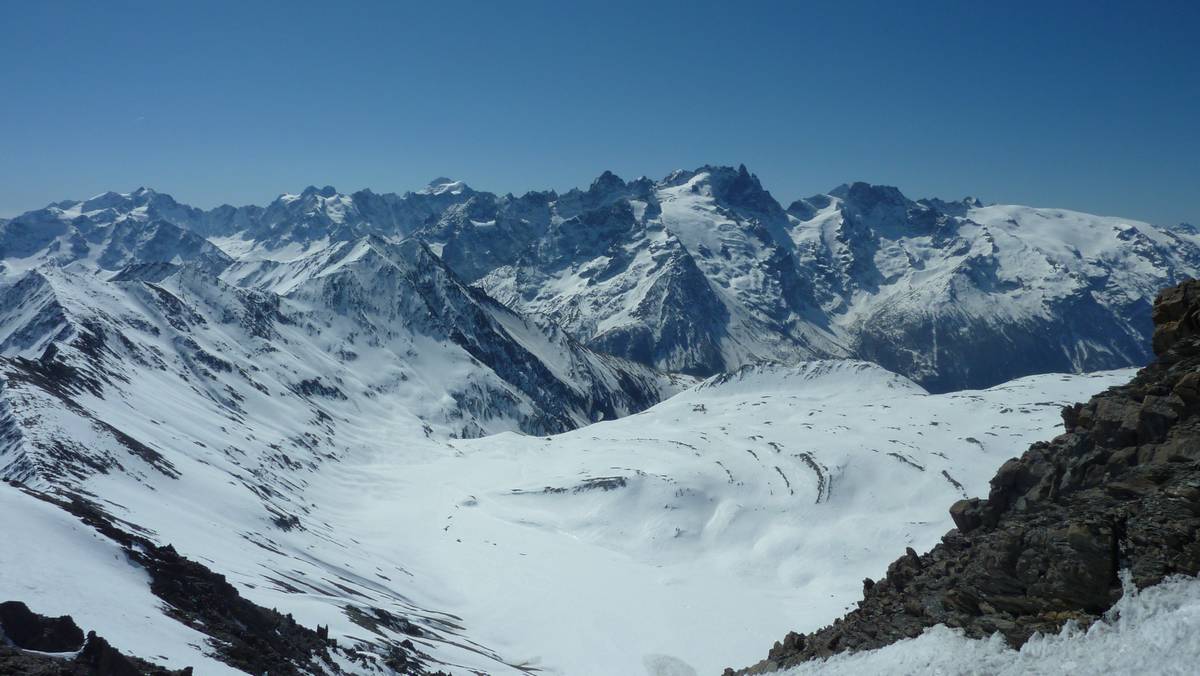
966	515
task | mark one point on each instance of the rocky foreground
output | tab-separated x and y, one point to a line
1120	490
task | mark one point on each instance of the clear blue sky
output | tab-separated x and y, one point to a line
1093	106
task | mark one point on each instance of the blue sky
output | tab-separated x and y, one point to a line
1093	106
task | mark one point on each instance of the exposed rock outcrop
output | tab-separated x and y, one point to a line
1120	490
26	629
26	637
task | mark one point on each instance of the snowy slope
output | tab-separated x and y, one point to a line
205	413
1152	630
630	546
68	569
753	501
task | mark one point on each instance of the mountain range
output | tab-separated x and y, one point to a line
362	433
704	271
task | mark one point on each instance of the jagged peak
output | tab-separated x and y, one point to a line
840	191
140	195
410	252
713	171
327	191
732	186
534	196
807	207
676	177
105	200
866	196
955	208
607	181
106	195
722	174
445	186
38	276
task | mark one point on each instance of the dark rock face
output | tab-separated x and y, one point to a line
683	322
998	353
23	630
26	629
1120	490
1176	316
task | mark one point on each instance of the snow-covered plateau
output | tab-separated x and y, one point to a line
636	429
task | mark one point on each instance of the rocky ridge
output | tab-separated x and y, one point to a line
1119	491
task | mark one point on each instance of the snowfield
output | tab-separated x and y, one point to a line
676	538
659	543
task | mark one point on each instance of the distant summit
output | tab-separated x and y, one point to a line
443	186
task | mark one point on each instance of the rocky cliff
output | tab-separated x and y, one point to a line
1118	491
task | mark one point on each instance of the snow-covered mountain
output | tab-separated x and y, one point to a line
317	217
694	274
960	293
365	321
704	271
108	231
